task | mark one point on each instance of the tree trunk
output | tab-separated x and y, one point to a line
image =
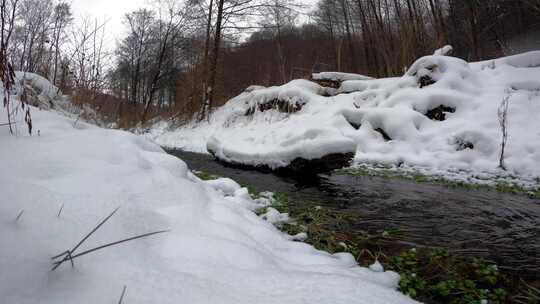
215	57
349	36
204	92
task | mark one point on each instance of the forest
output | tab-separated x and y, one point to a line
179	60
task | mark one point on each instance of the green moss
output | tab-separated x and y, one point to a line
427	274
527	294
387	172
205	175
436	275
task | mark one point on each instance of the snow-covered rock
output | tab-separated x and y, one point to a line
440	117
41	93
338	76
37	91
217	250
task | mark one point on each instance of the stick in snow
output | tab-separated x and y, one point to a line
6	124
68	253
19	215
122	295
60	211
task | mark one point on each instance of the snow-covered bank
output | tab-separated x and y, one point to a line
441	116
217	251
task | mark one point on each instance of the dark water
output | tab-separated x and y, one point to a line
502	228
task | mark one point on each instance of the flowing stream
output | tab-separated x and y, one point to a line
503	228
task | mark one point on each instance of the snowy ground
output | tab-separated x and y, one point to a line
217	251
465	144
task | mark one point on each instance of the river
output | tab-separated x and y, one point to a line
500	227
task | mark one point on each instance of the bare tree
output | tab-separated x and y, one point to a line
62	18
88	57
280	15
214	61
170	25
139	23
33	34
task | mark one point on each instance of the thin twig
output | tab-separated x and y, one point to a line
68	255
19	215
122	295
88	235
60	211
7	124
111	244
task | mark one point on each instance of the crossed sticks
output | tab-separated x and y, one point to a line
69	255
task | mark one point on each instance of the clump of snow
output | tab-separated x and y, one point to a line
226	186
376	267
253	88
444	51
300	237
275	217
387	121
217	250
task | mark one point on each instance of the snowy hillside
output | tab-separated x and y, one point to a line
57	186
440	117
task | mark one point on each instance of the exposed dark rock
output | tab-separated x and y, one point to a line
276	104
383	133
425	81
439	113
463	144
335	84
356	126
299	167
325	164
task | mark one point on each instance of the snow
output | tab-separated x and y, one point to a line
338	76
350	121
376	267
44	95
444	51
275	217
217	250
302	236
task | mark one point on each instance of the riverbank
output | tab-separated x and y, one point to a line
428	274
499	226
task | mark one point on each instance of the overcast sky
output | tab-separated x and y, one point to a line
112	10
